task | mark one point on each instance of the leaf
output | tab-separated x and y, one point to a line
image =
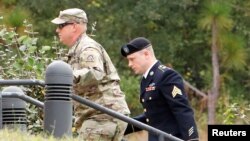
34	41
22	38
46	48
17	65
31	61
32	49
2	32
22	48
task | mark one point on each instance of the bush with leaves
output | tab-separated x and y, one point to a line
237	113
23	58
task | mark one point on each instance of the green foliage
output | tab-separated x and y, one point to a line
218	10
232	109
175	34
8	2
216	18
16	135
234	53
130	86
16	17
237	113
23	58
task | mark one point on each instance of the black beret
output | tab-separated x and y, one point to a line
135	45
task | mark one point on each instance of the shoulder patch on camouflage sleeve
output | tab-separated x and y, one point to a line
90	58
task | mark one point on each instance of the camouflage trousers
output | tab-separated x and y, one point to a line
102	130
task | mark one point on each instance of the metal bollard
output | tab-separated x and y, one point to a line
58	102
1	113
14	110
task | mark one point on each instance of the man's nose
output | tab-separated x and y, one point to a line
129	64
57	30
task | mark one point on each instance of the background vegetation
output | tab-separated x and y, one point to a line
17	135
186	34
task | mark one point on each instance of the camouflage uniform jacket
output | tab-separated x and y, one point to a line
96	79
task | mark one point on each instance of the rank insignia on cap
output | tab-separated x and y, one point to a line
176	91
126	50
151	73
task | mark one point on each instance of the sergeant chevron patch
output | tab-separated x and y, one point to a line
176	91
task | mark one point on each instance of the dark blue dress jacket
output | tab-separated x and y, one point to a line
166	105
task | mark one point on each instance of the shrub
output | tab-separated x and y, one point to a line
23	58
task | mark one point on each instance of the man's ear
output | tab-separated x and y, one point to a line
146	52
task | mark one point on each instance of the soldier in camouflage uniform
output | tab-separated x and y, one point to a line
95	78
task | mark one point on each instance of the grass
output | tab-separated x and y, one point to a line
11	135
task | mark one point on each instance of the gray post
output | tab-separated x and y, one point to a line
14	111
58	102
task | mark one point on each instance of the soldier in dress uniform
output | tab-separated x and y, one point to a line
95	78
162	94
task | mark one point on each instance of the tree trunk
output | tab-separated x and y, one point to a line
213	95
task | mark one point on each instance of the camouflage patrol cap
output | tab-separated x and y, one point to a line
135	45
71	15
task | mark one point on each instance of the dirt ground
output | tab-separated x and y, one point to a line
143	136
137	136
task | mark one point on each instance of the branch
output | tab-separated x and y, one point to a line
197	91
